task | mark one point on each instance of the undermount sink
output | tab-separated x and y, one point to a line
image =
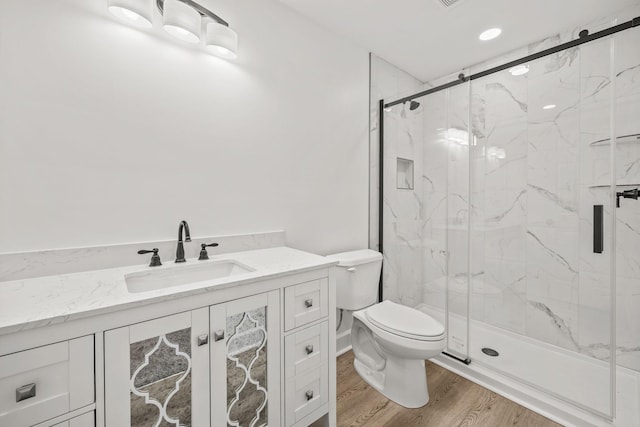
183	275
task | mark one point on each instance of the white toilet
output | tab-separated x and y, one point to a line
390	341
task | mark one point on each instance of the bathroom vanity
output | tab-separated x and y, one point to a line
241	339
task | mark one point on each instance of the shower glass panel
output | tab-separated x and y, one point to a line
511	236
541	294
458	144
426	229
627	129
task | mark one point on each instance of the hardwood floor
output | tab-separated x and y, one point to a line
454	401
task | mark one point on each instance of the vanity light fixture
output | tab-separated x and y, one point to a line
137	12
222	39
182	19
490	34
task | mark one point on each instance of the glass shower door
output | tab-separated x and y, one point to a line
459	212
445	216
541	193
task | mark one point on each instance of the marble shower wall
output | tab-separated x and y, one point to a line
524	201
627	89
537	175
402	238
402	206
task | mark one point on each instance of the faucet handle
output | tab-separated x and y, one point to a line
203	252
155	258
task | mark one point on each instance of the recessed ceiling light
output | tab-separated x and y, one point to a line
519	70
549	107
490	34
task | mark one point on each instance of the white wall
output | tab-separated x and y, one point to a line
109	134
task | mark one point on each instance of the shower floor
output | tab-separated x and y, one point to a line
546	372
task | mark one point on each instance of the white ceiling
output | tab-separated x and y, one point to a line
428	40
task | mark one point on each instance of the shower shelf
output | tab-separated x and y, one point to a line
624	139
617	185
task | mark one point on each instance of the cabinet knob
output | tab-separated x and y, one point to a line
25	392
309	349
308	303
203	340
309	394
218	335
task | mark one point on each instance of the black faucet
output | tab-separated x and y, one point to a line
187	238
155	258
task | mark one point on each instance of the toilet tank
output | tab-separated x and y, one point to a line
357	277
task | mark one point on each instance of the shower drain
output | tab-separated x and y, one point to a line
490	352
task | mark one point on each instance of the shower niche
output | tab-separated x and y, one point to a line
404	176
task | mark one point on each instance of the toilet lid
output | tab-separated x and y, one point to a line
405	321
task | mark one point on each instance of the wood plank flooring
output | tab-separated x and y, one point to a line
454	402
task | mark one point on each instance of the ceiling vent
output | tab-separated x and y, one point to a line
447	3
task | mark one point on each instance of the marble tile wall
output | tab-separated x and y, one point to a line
627	89
402	207
527	210
537	175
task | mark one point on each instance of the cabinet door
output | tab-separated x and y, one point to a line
158	372
245	362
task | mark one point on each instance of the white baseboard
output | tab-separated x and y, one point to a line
343	342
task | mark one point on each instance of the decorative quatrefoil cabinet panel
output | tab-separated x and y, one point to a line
215	366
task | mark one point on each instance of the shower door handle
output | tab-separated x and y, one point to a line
598	229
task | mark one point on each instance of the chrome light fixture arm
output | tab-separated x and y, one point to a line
203	11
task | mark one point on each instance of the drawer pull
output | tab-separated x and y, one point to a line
309	349
25	392
308	303
203	340
309	394
218	335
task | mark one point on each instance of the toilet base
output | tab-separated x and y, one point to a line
403	381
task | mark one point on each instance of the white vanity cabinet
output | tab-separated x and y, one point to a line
213	366
245	361
254	351
157	371
46	382
306	350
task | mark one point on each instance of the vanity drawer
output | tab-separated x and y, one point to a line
305	303
306	349
305	393
84	420
45	382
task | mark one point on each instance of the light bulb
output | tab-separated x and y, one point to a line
181	21
137	12
222	40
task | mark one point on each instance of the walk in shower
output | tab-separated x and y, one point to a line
499	216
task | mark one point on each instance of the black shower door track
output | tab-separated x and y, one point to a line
584	37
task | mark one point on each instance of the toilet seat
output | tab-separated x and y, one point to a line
404	321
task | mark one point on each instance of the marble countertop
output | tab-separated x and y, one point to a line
42	301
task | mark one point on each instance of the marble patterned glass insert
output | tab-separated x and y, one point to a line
247	369
404	180
160	372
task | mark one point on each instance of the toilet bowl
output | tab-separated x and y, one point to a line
390	343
